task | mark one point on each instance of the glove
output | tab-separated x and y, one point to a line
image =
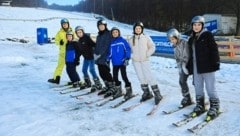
185	70
126	62
96	57
61	42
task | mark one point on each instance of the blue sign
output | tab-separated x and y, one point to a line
211	25
162	44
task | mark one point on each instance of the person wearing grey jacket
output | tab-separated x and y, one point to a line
142	48
181	54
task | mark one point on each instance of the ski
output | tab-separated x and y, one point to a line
132	106
108	100
79	95
123	101
187	119
200	125
69	91
154	109
93	101
175	110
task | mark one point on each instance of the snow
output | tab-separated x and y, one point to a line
31	107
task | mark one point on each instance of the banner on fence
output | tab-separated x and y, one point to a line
162	44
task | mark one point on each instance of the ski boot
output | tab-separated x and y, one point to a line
87	82
82	85
186	101
111	90
55	81
146	93
96	86
104	89
157	95
118	92
200	107
213	112
128	94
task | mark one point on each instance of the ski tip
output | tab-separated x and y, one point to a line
190	130
175	124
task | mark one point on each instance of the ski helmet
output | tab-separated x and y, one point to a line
79	28
115	28
198	19
70	32
101	22
64	20
173	33
138	24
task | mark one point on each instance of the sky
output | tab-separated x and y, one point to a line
62	2
30	106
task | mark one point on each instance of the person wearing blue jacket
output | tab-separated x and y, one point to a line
72	60
119	53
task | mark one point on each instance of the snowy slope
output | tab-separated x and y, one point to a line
30	106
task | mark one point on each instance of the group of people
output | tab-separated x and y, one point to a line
198	56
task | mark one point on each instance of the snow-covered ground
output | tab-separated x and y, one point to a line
30	107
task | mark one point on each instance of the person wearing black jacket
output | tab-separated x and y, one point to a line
100	54
204	61
86	46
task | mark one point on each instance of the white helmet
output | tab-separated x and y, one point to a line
173	33
198	19
79	28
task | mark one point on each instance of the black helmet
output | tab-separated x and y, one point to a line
101	22
139	23
173	33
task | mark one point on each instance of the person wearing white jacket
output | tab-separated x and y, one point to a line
142	48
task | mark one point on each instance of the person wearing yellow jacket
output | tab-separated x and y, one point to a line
61	41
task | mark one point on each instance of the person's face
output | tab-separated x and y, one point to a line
197	27
173	40
69	37
65	25
138	29
80	33
101	27
115	33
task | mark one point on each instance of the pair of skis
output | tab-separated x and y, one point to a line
151	112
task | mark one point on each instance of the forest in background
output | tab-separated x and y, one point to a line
155	14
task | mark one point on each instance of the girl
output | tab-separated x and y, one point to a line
181	54
204	61
142	48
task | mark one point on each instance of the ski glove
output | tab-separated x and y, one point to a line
61	42
185	70
96	57
126	62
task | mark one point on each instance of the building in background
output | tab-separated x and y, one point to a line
226	24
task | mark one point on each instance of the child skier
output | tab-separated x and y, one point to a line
204	61
86	46
72	60
142	48
100	54
120	53
181	54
